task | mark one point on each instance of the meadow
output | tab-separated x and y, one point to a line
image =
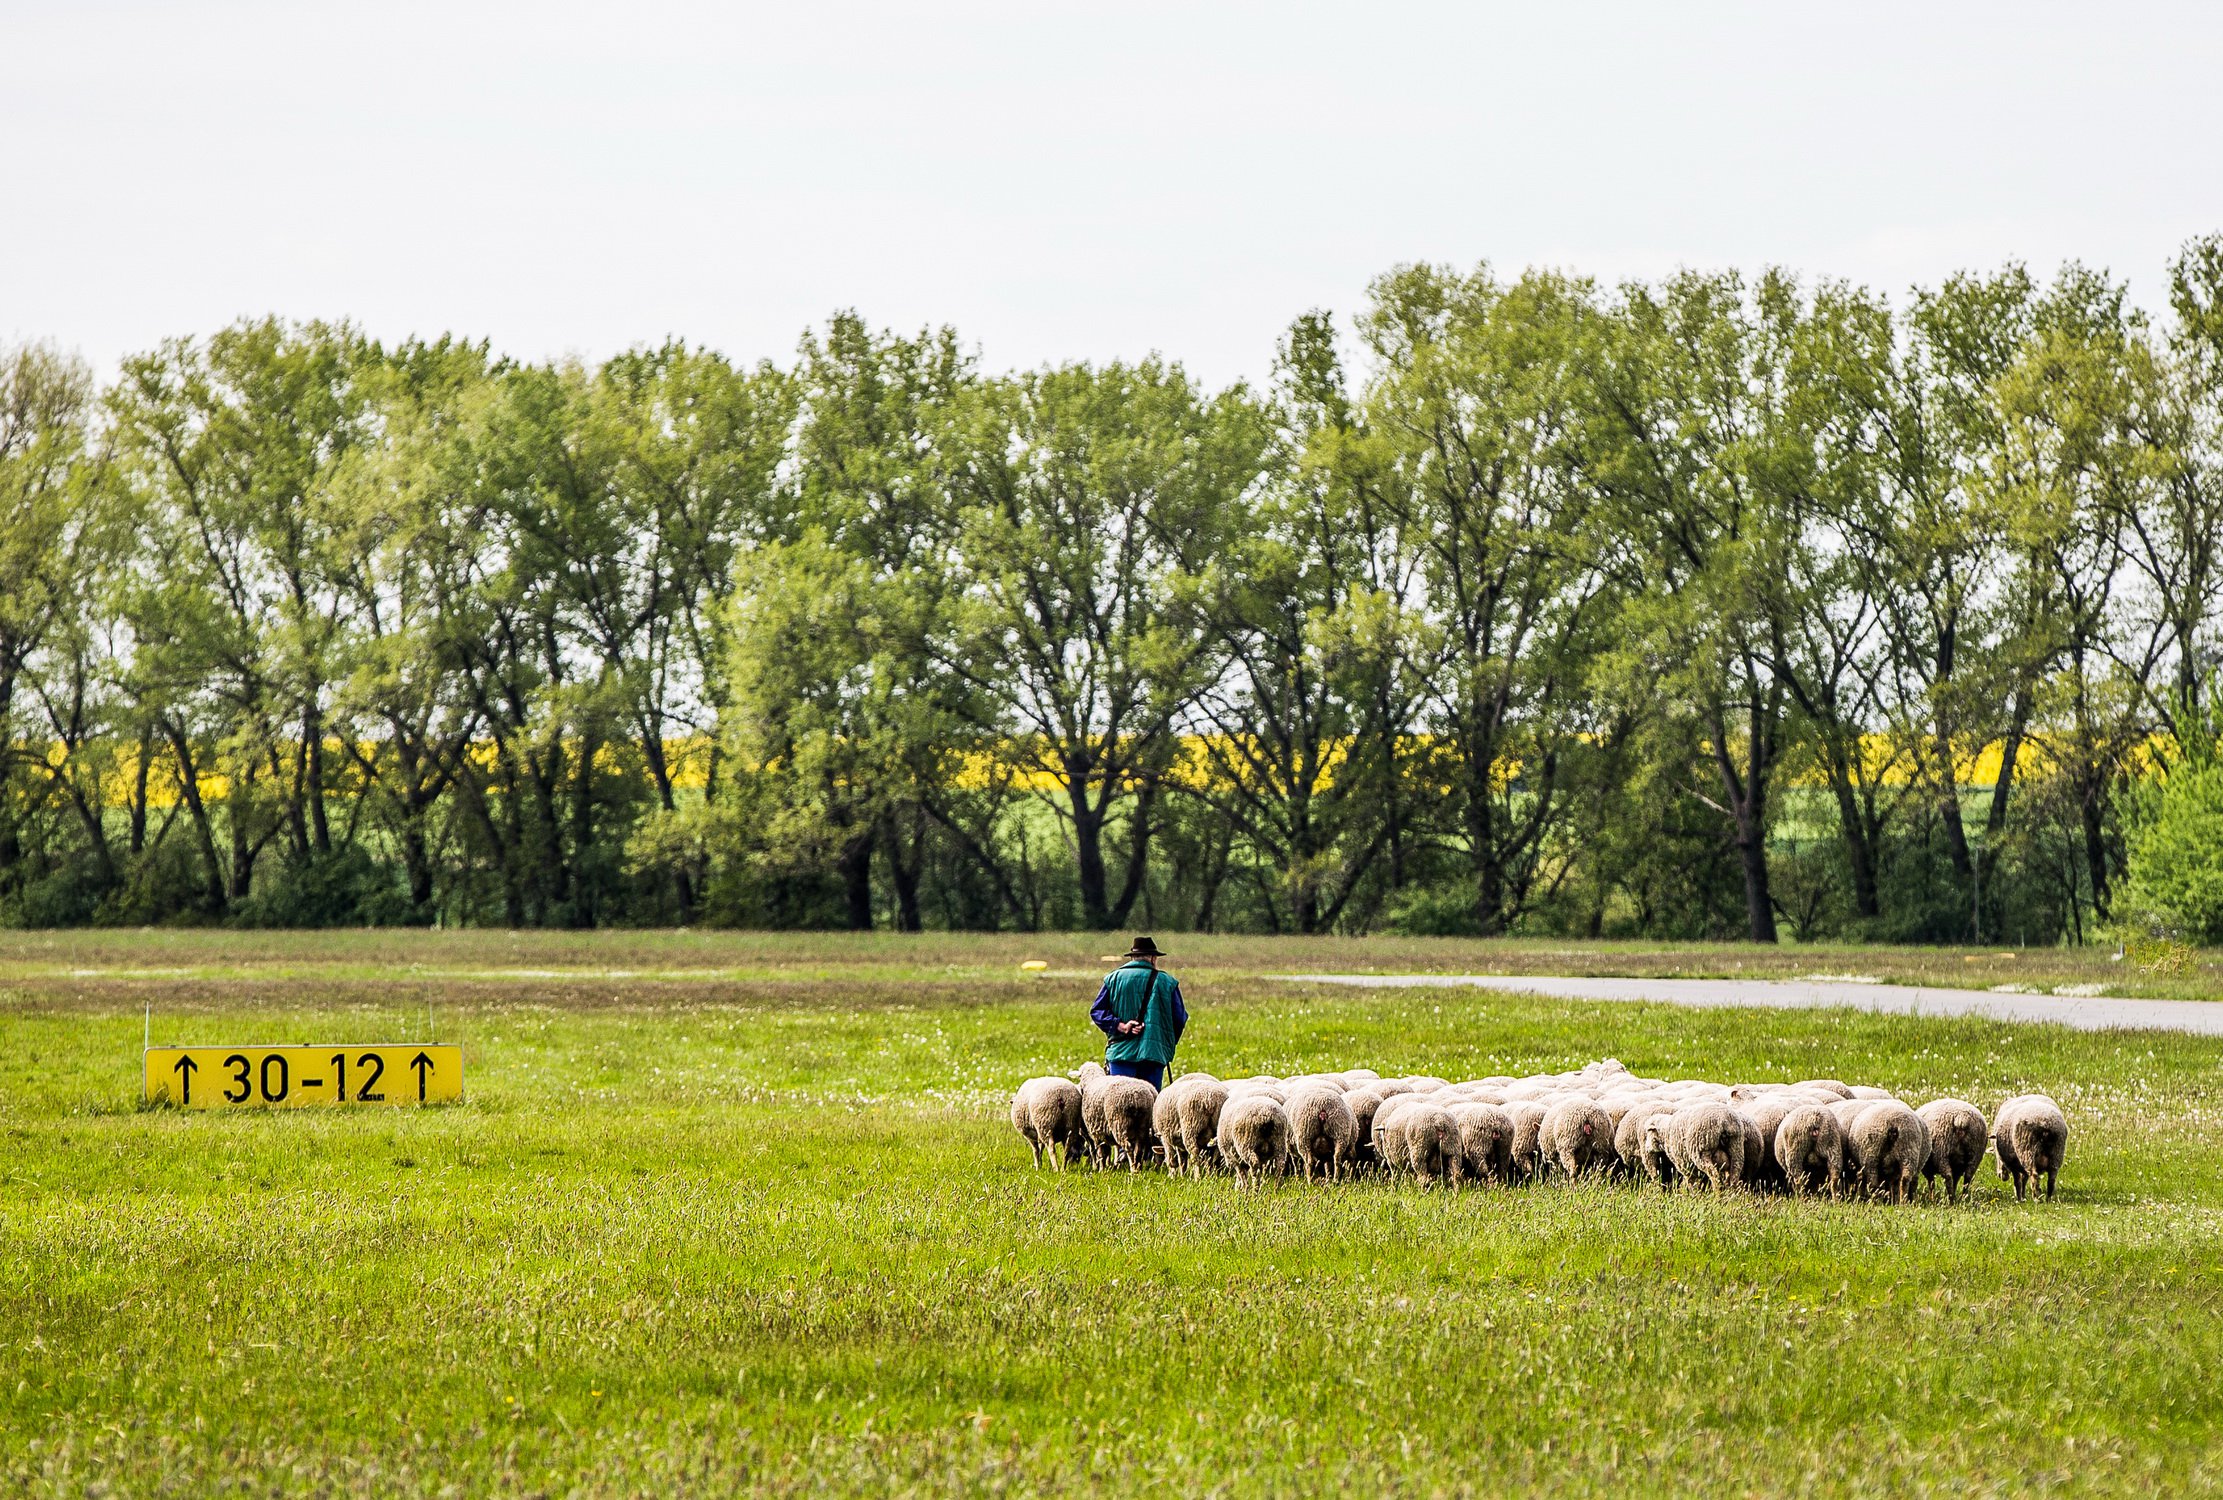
740	1212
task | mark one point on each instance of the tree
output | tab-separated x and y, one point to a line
234	446
1476	406
1082	497
406	696
46	401
1696	450
1300	739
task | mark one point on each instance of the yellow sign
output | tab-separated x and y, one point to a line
243	1077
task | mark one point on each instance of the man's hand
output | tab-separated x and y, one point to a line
1130	1028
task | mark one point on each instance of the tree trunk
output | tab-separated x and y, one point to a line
2095	838
1138	853
856	880
582	834
189	787
1481	830
312	747
1752	849
139	790
417	861
1088	855
243	848
1745	795
903	876
1860	852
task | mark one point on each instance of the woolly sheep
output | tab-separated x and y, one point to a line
1528	1127
1810	1151
1706	1141
1655	1148
1485	1144
1870	1091
1093	1080
1827	1085
1958	1139
1047	1112
1431	1140
1389	1136
1362	1103
1891	1143
2031	1136
1755	1150
1165	1120
1254	1138
1322	1132
1628	1136
1201	1104
1767	1112
1129	1104
1577	1136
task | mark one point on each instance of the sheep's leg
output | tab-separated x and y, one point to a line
1037	1145
2050	1175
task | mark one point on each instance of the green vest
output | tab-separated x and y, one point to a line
1129	983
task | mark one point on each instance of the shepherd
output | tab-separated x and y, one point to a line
1139	1010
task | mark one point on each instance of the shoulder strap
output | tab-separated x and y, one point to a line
1149	988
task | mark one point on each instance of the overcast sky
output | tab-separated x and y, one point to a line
1058	181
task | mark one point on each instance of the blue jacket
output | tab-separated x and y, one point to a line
1125	991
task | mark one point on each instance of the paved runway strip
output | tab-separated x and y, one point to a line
2085	1013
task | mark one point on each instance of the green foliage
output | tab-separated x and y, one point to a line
1715	604
2176	839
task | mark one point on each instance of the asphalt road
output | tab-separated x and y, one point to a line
2094	1013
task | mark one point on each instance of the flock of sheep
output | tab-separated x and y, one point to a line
1812	1137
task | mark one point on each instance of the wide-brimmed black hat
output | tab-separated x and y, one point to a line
1143	948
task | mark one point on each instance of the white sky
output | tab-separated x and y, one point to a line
1057	180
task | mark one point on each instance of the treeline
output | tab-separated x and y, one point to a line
1706	607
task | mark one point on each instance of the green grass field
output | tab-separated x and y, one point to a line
743	1213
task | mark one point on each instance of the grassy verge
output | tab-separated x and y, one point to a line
99	958
713	1235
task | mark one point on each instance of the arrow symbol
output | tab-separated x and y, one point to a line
424	1066
185	1068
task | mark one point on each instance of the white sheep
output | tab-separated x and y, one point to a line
1810	1150
1706	1140
1767	1111
1323	1132
1254	1138
1431	1139
1628	1136
1891	1143
1093	1080
1389	1136
2031	1136
1201	1103
1528	1135
1047	1112
1576	1136
1485	1143
1129	1104
1958	1139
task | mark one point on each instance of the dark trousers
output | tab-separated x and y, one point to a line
1151	1073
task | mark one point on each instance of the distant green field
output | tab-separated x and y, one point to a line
737	1212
